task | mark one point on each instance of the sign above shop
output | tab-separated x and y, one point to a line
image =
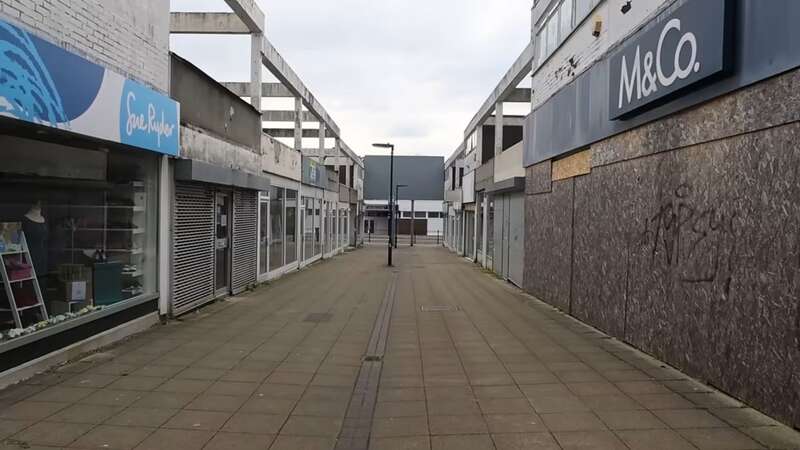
44	84
685	47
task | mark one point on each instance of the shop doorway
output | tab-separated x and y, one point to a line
222	258
509	252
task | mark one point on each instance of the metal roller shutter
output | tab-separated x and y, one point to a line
192	247
245	240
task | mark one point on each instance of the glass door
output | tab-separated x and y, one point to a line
263	236
222	243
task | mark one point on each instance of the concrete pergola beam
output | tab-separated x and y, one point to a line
286	116
249	12
206	23
268	90
287	76
519	95
317	152
351	154
507	86
456	154
289	132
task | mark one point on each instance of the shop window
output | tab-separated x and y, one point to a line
308	228
76	239
277	235
351	178
263	235
420	214
406	214
291	226
317	226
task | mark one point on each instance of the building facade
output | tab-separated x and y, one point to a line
135	188
484	193
418	195
661	188
656	178
88	129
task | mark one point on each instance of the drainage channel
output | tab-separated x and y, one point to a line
357	424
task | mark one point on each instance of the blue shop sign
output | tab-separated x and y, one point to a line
44	84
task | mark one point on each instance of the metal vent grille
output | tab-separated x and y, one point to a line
245	240
192	247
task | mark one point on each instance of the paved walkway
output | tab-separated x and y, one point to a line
458	360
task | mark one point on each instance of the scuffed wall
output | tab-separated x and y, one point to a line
200	146
686	243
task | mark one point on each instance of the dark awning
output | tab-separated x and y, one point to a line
516	184
191	170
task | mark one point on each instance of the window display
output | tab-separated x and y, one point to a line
291	226
308	227
276	247
77	239
263	234
317	226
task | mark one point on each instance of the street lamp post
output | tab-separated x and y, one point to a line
391	200
397	201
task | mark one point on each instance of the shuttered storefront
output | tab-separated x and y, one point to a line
245	240
192	247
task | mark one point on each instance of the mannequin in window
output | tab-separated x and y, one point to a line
36	234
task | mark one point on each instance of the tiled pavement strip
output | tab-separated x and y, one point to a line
494	370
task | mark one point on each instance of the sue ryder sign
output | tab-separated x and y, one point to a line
687	46
43	84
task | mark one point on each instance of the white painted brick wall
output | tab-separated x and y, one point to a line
585	49
130	37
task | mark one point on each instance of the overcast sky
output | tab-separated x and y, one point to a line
412	72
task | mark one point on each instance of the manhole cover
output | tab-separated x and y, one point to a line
318	317
438	308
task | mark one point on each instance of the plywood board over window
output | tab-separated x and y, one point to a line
572	166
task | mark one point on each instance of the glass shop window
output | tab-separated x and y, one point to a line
78	232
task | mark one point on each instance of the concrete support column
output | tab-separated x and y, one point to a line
298	124
256	67
165	196
498	129
322	143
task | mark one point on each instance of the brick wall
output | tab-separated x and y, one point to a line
582	49
129	37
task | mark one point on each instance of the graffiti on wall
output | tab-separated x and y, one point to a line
695	239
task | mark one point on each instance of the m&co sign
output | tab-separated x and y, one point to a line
687	44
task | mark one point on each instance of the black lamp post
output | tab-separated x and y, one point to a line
397	201
391	200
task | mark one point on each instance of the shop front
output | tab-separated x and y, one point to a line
311	224
215	233
281	224
82	156
318	189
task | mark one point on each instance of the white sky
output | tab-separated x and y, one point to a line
410	72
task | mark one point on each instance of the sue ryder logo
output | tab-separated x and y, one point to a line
643	79
150	125
685	45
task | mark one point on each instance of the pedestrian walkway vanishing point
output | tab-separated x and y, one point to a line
431	354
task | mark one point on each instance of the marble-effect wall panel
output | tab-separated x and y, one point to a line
691	255
714	284
548	244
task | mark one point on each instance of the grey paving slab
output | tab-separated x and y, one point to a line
496	369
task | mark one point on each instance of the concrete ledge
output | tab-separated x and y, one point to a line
46	362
